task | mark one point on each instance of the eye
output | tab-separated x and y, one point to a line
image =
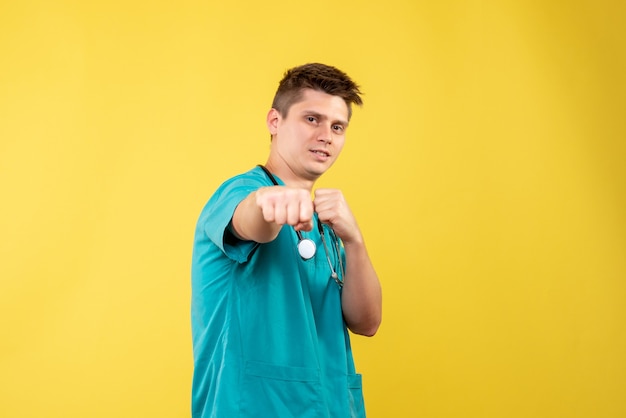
338	128
311	119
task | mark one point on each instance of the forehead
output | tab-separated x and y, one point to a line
322	103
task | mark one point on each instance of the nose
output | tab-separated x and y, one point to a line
325	133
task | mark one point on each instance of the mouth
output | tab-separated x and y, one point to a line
320	152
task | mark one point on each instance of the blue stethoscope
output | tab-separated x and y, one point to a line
307	248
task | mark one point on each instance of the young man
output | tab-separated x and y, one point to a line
279	276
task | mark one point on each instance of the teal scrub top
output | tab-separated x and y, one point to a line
269	339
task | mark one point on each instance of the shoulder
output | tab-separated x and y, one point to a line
254	178
238	187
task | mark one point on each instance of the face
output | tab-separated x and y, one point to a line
308	141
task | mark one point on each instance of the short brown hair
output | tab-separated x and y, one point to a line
319	77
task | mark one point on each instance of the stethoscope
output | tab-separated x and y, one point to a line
307	248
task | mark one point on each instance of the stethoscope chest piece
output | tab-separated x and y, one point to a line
306	248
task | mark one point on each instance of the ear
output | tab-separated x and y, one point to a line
272	121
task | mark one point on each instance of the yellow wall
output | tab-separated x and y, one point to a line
486	168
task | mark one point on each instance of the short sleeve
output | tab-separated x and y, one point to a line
218	213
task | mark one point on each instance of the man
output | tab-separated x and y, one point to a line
279	276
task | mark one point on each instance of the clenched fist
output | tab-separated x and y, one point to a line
286	205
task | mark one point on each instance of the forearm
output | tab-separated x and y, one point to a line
249	224
362	295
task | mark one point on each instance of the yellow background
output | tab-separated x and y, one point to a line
487	169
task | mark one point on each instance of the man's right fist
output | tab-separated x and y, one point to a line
286	205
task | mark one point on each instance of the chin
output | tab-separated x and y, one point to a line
314	174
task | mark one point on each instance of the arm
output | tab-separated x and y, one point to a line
361	298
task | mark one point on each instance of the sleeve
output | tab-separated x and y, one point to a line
218	213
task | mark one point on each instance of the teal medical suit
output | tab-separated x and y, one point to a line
269	338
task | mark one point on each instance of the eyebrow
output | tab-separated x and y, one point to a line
321	116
